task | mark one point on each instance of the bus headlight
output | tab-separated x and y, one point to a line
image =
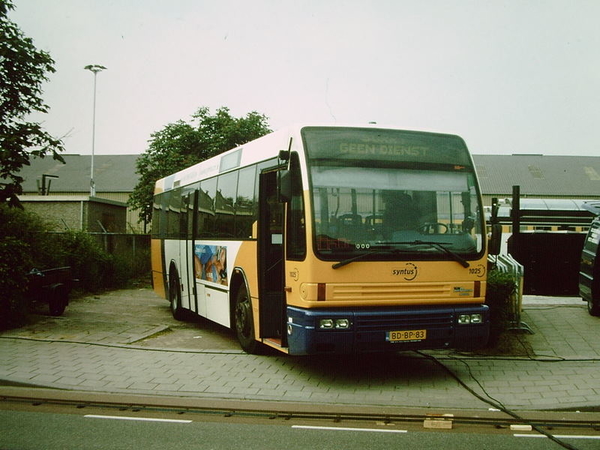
465	319
334	324
476	318
326	324
342	324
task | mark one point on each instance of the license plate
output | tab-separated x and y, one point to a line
406	335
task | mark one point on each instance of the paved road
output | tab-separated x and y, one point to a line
127	342
80	429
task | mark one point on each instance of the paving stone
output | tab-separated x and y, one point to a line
562	331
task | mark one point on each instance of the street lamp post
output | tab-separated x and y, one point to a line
95	68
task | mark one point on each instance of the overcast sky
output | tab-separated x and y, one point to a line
509	76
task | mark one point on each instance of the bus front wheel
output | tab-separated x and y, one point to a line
244	322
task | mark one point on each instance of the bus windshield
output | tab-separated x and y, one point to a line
389	194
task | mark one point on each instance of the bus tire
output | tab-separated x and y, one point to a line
244	322
175	297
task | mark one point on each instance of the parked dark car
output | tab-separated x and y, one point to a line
589	270
51	286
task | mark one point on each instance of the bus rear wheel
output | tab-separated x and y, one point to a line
175	297
244	322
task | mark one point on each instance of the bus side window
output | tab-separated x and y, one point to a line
296	229
157	220
226	191
174	213
259	169
206	208
245	212
166	226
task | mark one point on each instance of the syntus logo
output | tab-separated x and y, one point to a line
409	272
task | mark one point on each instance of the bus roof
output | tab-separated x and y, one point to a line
263	148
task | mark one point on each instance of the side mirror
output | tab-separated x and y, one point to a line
495	241
284	155
285	186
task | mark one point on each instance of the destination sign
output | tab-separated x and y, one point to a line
382	149
384	145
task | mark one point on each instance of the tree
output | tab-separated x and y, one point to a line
23	69
180	144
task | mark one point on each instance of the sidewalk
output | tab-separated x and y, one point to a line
127	342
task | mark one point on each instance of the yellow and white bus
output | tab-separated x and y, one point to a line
328	239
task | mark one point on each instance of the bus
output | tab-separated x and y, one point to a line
328	239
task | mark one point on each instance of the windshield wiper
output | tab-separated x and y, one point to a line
357	257
440	246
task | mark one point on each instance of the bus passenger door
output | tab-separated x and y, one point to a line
271	260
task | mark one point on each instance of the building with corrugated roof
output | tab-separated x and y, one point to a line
539	176
66	189
114	175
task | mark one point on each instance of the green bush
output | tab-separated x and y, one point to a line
14	265
90	264
26	242
18	236
122	272
501	288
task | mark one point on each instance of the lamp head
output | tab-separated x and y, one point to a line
94	68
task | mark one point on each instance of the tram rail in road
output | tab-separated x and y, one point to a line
569	425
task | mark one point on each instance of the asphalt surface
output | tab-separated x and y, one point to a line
127	343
